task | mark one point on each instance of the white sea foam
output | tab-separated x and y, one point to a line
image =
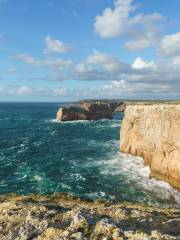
53	121
38	178
133	169
67	122
114	122
78	177
65	186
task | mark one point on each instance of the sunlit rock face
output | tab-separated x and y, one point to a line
153	132
86	111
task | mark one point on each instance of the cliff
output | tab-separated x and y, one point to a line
86	111
153	132
67	218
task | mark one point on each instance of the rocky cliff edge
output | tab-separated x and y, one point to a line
153	132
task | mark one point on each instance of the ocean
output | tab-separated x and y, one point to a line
40	155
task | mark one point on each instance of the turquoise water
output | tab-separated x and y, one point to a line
41	155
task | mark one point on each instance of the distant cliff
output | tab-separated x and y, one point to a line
153	132
86	111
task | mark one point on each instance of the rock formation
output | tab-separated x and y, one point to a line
63	217
153	132
86	111
71	113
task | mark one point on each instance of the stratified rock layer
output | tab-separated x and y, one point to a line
62	217
86	111
153	132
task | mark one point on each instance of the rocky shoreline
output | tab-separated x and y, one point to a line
99	109
63	217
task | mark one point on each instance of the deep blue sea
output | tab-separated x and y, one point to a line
41	155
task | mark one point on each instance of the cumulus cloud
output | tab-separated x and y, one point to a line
142	30
112	22
170	45
100	66
84	71
109	63
56	46
141	79
140	63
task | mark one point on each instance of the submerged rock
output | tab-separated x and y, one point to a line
153	132
62	217
86	111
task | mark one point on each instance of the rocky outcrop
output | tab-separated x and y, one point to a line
153	132
86	111
71	113
63	217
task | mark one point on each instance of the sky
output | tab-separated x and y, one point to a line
68	50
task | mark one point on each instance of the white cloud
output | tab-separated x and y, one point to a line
56	46
58	63
24	91
170	45
140	63
112	22
142	30
100	66
107	62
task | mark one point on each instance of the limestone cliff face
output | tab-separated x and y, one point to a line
153	132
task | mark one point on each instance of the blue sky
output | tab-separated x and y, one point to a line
66	50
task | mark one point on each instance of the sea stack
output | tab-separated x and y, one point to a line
86	111
153	132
